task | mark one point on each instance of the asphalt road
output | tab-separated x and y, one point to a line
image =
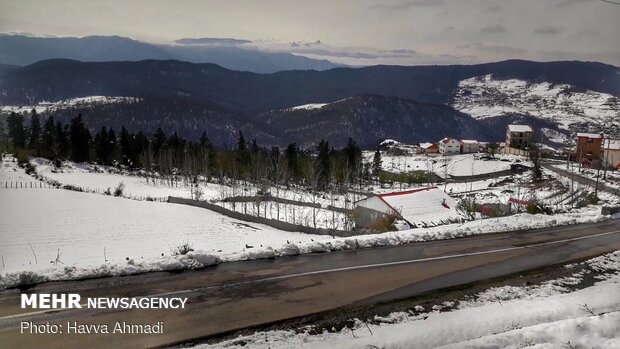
238	295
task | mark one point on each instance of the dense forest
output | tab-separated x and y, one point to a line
171	158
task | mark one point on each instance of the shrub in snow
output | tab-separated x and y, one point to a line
72	187
182	249
118	191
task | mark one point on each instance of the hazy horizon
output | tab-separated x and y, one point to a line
367	32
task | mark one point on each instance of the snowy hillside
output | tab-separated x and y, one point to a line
45	106
486	97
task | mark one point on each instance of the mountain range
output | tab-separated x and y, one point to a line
24	50
411	104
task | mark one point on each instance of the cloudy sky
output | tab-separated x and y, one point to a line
356	32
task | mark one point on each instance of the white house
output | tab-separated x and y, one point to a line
418	208
469	146
449	146
611	152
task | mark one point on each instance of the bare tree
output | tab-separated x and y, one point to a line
312	172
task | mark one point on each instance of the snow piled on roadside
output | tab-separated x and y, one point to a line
192	260
525	317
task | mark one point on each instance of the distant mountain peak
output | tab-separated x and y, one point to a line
212	41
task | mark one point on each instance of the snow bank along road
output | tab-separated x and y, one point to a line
238	295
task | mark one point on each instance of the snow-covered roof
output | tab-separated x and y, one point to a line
427	145
520	128
447	140
428	205
590	135
469	141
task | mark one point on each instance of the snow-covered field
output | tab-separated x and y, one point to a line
100	178
485	96
454	165
42	221
544	316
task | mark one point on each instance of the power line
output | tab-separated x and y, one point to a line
611	2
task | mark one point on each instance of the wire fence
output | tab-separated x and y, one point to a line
7	185
27	185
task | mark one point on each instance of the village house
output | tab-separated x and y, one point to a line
589	149
449	146
518	139
611	153
429	148
469	146
422	207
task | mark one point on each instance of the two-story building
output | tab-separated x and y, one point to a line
589	149
469	146
518	139
449	146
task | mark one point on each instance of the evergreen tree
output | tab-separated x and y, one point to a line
113	144
17	132
62	140
291	154
34	142
159	140
140	144
354	156
376	163
241	144
242	155
204	141
323	158
48	139
80	138
103	147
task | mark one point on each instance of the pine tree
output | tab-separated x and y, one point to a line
125	142
204	141
62	140
48	139
376	163
291	154
34	142
241	144
113	145
354	156
159	140
242	155
323	158
79	137
17	132
102	147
